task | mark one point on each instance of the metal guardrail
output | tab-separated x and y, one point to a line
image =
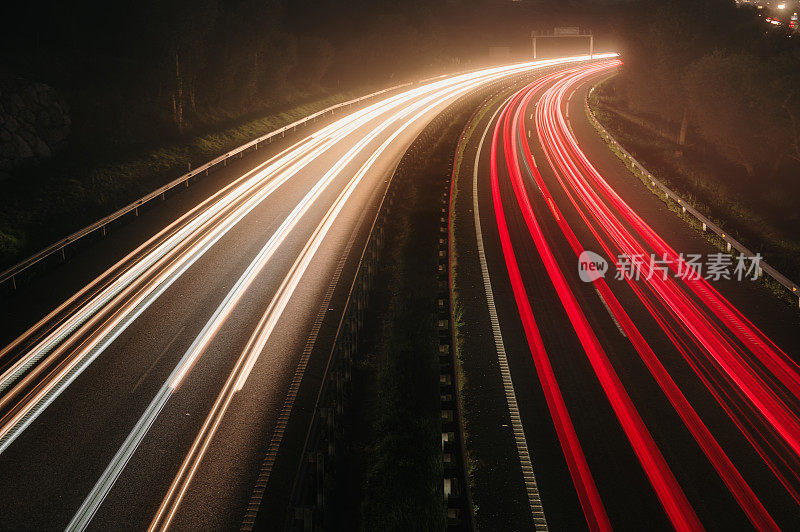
731	243
10	274
307	499
457	489
100	225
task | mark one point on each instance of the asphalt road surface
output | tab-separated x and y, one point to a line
148	385
659	401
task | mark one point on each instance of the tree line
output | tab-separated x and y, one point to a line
144	72
719	71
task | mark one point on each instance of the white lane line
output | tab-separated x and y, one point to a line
159	357
531	487
103	486
608	309
263	331
249	519
533	158
553	208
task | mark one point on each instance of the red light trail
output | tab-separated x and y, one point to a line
752	379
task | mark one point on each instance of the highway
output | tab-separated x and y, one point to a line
658	397
146	396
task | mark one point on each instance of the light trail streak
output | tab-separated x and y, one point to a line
269	320
658	472
448	89
712	449
729	358
244	282
87	309
279	169
589	497
134	303
122	301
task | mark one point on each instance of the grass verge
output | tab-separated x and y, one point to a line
41	205
703	185
457	308
390	474
498	492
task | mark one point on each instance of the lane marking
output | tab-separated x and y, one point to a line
553	207
608	309
159	357
254	504
263	331
531	487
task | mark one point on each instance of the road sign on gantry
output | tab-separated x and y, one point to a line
563	31
567	31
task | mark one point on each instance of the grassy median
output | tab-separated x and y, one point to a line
390	477
756	214
495	476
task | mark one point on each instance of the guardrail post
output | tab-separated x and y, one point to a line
7	274
136	211
63	255
777	276
14	281
320	480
